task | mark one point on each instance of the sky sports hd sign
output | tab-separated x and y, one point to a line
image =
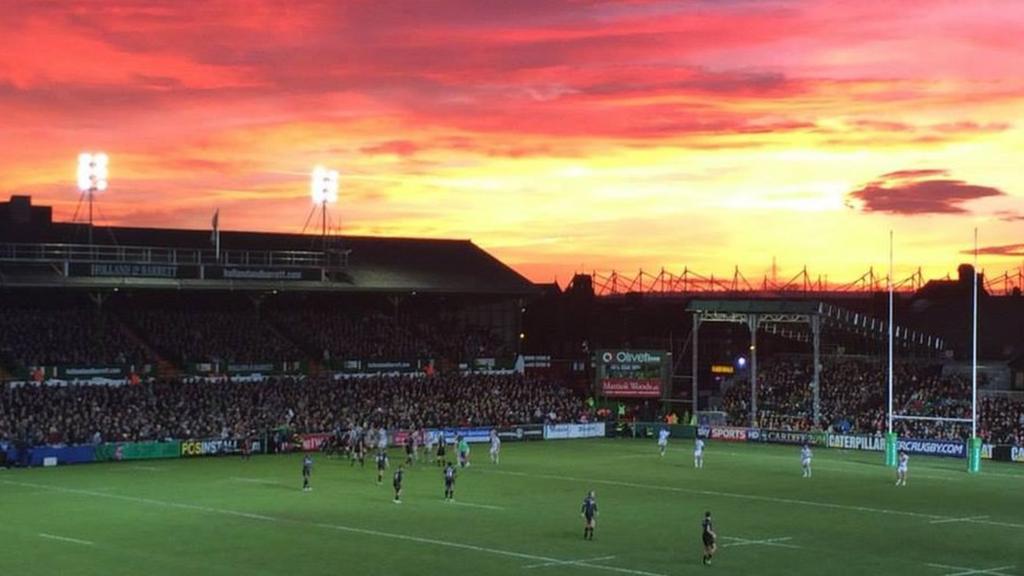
630	373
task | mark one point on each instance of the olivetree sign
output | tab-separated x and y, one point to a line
631	373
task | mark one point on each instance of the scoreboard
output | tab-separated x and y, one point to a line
631	373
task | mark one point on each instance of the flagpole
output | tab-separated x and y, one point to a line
216	234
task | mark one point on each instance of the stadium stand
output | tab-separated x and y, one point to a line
853	400
181	409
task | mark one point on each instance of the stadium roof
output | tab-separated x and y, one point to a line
375	264
802	311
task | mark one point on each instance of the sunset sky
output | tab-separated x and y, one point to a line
561	136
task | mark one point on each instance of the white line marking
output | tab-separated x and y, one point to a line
755	497
778	542
148	468
338	527
486	506
568	562
962	571
66	539
265	481
951	520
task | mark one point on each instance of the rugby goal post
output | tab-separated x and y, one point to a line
973	444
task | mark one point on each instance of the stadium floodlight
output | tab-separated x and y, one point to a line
324	185
324	189
92	172
92	178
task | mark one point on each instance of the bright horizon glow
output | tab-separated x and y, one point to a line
560	137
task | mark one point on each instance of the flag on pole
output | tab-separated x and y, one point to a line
215	235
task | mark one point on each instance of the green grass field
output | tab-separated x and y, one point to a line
227	516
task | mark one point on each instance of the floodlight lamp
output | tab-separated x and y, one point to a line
324	185
92	172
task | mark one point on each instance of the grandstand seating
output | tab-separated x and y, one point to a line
76	335
181	409
226	329
853	399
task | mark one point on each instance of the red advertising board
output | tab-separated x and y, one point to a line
631	387
313	442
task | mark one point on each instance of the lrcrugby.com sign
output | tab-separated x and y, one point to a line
934	447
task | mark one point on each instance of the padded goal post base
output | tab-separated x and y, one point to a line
891	448
974	455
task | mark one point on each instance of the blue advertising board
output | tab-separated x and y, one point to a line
951	448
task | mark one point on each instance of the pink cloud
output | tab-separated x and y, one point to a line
910	192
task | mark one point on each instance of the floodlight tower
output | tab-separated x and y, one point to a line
324	188
92	178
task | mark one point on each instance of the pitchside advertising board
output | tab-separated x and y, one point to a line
725	433
849	442
631	373
952	448
215	446
787	437
570	431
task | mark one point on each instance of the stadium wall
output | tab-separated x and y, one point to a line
914	446
126	451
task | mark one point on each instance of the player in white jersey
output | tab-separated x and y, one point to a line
430	440
495	447
382	439
698	453
901	469
663	435
805	460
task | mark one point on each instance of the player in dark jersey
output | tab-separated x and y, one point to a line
397	482
589	512
359	452
441	447
382	464
307	471
346	444
708	536
410	448
449	483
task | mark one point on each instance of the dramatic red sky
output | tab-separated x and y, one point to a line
561	136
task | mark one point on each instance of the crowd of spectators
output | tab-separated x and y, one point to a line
853	400
340	336
179	409
45	337
85	336
1002	420
209	336
337	335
